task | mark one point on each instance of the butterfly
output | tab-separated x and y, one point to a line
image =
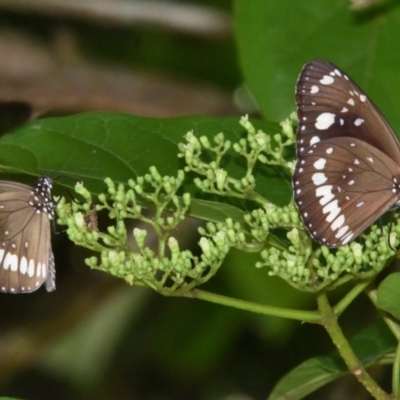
347	172
26	257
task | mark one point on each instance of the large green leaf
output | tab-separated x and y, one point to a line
276	38
370	346
90	147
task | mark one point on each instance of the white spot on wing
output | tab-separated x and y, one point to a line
23	265
319	178
327	80
330	150
351	102
348	237
10	261
31	268
325	192
358	121
39	270
338	223
320	164
325	121
333	209
342	231
314	139
314	89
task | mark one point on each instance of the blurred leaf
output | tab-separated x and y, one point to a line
197	329
370	345
93	146
104	328
389	295
9	398
275	39
254	284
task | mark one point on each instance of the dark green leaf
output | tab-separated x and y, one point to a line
275	39
92	146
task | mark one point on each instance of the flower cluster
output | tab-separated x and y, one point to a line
165	268
277	233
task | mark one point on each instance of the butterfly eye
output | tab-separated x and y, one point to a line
348	157
26	257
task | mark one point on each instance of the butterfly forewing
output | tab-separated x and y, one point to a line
330	104
348	169
26	259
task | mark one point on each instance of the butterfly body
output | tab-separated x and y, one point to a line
348	158
26	258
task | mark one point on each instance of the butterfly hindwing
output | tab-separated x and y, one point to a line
336	181
26	259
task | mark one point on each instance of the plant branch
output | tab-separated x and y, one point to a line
348	299
330	323
300	315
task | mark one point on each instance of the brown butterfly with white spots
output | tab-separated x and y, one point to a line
26	257
348	157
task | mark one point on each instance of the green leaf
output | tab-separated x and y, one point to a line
276	38
306	378
90	147
389	295
370	345
215	212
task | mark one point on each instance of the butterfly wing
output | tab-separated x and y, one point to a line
347	172
330	104
25	249
341	186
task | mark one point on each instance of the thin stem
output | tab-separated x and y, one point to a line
330	323
300	315
348	299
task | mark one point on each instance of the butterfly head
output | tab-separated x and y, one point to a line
41	200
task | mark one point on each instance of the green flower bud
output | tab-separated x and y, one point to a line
186	199
205	142
204	244
221	178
